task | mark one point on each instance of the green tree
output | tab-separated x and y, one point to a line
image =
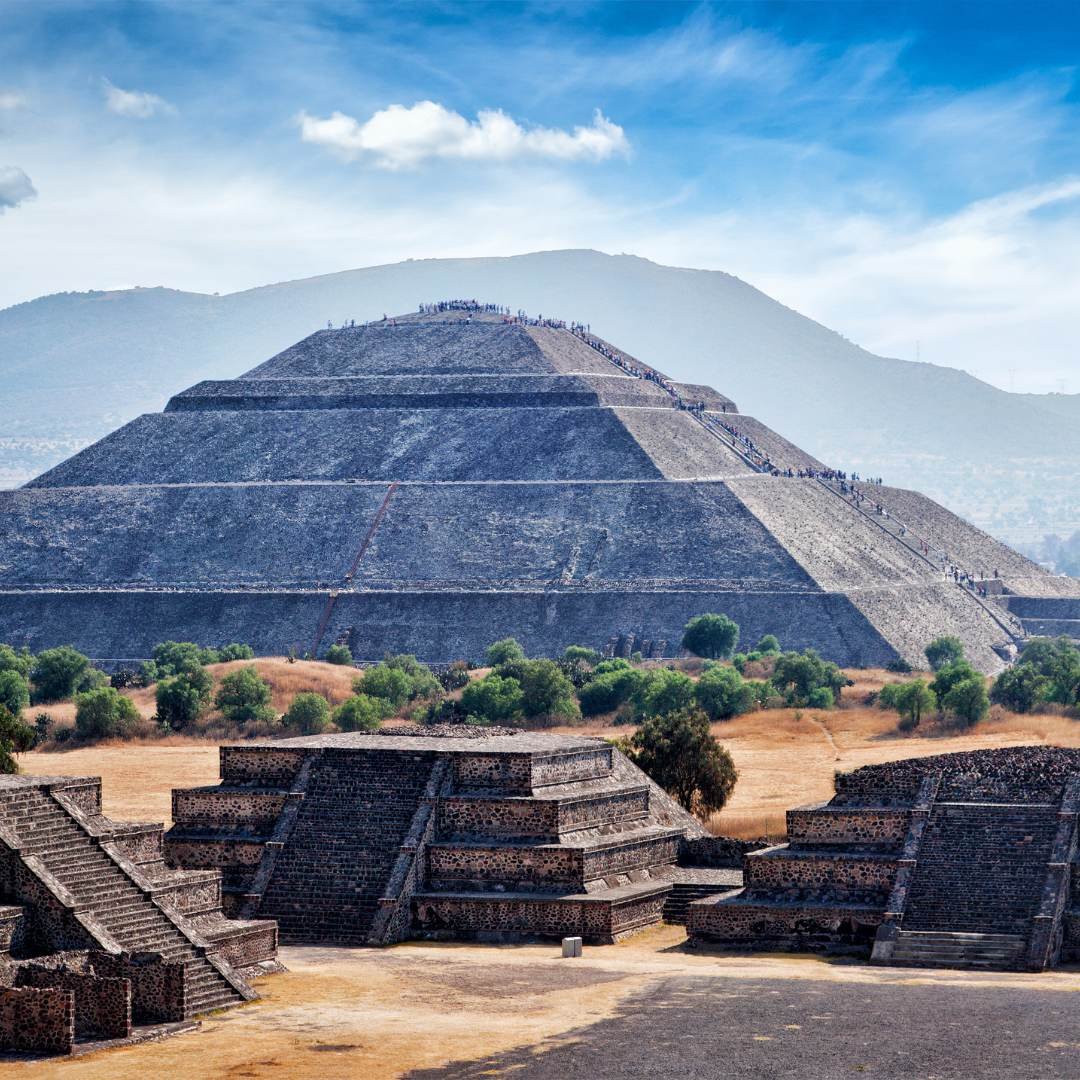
244	695
309	713
1020	688
913	700
615	664
579	654
339	654
15	737
665	691
948	675
422	681
679	753
172	657
381	681
944	650
21	661
57	672
722	693
14	691
180	698
607	691
546	692
712	636
105	713
361	713
768	646
494	699
821	697
1058	660
503	651
967	700
233	651
797	675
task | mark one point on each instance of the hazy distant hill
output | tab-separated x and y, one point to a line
77	365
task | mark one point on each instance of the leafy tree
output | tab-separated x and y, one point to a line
722	693
679	753
455	676
607	691
148	673
615	664
14	691
361	713
1020	688
390	684
494	699
967	700
91	679
821	697
244	695
422	681
578	653
233	651
339	654
172	657
797	675
57	672
15	737
948	675
105	713
503	651
944	650
665	691
1058	661
768	646
712	636
309	713
21	661
546	692
913	700
43	723
180	698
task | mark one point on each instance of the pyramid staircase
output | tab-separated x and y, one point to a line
362	839
107	887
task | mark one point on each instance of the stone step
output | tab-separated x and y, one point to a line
961	950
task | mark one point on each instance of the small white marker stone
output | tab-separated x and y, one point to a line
571	946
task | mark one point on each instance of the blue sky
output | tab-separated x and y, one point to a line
902	172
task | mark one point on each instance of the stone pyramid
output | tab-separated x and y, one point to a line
432	482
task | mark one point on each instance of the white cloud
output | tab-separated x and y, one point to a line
402	136
15	187
137	103
9	100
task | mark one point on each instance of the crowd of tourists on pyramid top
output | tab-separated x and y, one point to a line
471	306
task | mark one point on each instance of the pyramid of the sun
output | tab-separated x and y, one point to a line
434	482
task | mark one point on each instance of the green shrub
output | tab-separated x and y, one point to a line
967	700
361	713
1021	688
172	657
11	660
105	713
14	691
494	699
797	675
339	654
578	653
679	753
57	672
610	689
390	684
547	694
1058	661
821	697
722	693
768	646
948	675
422	681
234	651
180	698
664	692
15	737
713	636
615	664
43	723
502	652
944	650
455	676
308	713
244	695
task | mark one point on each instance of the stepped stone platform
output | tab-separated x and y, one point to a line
368	839
431	483
99	939
958	860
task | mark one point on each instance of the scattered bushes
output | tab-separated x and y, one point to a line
309	713
504	651
105	713
398	680
967	701
944	650
722	693
711	636
912	700
11	660
339	654
494	699
180	698
665	692
610	688
244	695
800	679
680	754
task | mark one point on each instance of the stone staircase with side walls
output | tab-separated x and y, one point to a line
95	884
368	839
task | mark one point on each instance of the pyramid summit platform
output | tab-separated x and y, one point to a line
433	482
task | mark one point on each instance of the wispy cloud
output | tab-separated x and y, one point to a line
15	187
10	100
401	136
140	104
